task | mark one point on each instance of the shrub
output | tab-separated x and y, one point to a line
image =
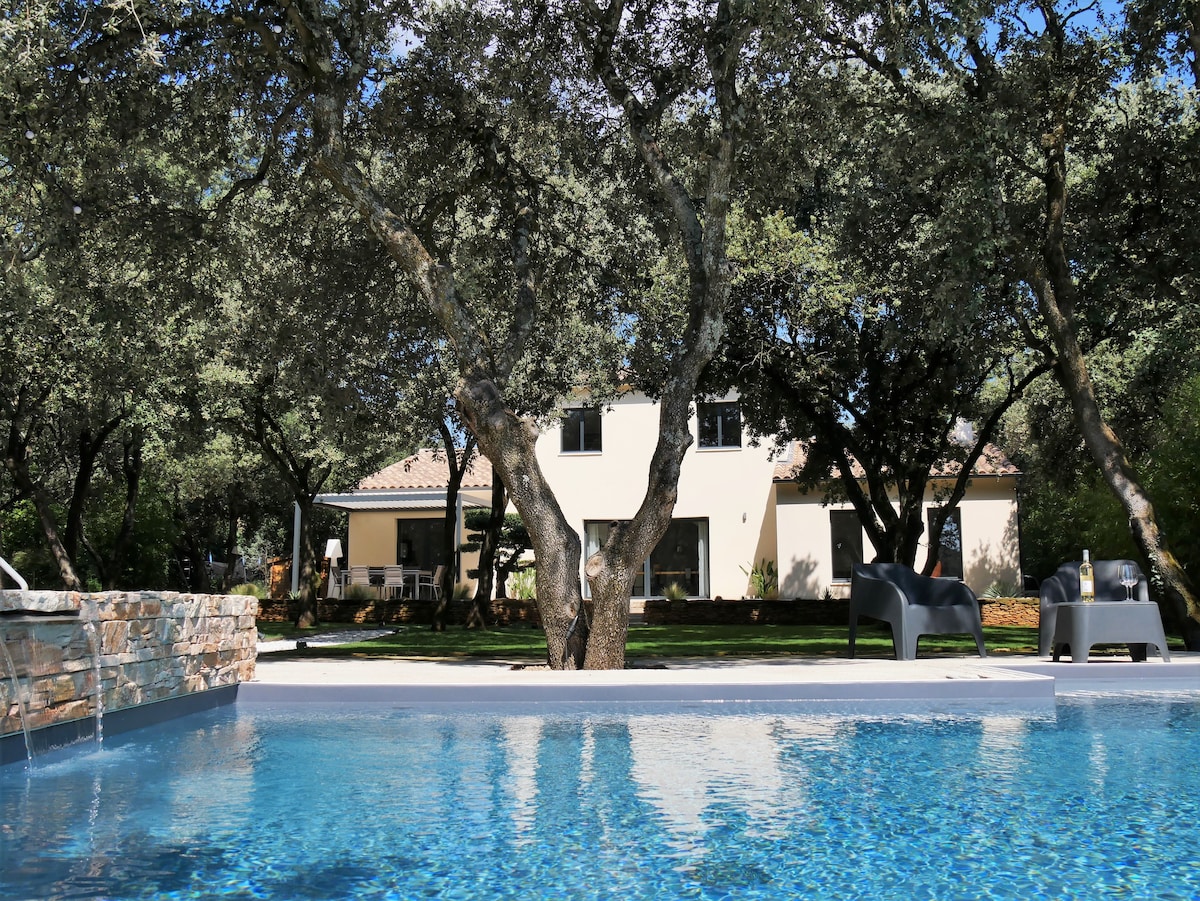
360	593
999	589
254	589
675	592
764	579
522	584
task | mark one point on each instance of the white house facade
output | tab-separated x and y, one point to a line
737	505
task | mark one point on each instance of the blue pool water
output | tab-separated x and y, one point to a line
1091	798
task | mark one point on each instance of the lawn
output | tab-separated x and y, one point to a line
523	644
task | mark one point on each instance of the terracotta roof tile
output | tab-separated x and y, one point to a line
427	468
992	462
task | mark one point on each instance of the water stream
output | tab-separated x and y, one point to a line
20	696
93	635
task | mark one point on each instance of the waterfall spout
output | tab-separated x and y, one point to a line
19	694
94	645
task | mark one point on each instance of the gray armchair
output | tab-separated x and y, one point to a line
913	605
1063	587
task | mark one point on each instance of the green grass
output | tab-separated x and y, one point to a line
523	644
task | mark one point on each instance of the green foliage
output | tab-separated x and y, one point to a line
512	542
1173	473
360	593
1149	394
252	589
764	579
1000	589
522	584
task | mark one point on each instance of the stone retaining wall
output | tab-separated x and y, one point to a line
1010	612
503	612
826	612
152	646
657	611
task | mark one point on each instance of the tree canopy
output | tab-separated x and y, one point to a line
270	227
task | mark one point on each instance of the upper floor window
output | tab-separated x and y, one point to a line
719	424
581	429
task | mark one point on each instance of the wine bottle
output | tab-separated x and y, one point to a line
1087	580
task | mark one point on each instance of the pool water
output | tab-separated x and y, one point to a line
1089	798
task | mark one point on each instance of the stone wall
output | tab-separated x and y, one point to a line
747	611
406	611
826	612
71	651
1010	612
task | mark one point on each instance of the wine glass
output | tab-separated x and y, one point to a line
1127	576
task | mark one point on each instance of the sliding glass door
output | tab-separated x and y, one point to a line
681	558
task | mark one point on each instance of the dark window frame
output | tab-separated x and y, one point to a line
582	431
950	554
418	541
713	424
841	534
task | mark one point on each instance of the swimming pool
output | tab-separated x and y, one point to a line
1091	797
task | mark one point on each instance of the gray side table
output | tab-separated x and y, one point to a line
1133	623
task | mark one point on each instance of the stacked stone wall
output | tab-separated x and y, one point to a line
151	646
802	612
406	611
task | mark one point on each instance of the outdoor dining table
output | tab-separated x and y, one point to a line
1134	623
376	580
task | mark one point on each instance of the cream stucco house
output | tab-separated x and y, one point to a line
737	505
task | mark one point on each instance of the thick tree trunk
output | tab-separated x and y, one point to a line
704	243
508	442
66	566
89	444
1109	454
504	438
1055	290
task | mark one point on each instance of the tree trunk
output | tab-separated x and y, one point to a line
1054	287
132	465
66	566
509	442
1109	454
307	613
15	463
477	618
504	438
89	444
703	241
458	469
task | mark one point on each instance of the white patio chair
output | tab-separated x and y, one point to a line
393	581
433	583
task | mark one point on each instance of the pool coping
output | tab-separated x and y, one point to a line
496	681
